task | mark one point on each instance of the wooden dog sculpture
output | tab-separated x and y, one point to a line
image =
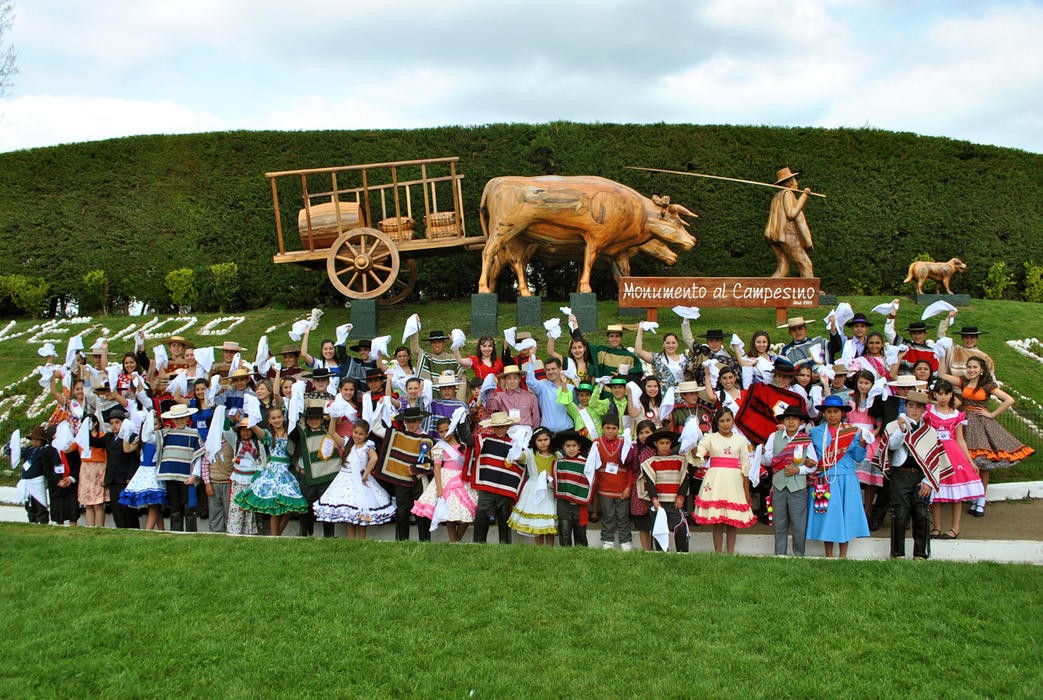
941	272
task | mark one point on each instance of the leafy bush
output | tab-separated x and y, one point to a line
225	284
1033	282
181	284
28	295
996	281
95	294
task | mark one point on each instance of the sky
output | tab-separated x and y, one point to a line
962	69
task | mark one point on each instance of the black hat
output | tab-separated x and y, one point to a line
321	373
115	412
714	334
559	439
783	366
437	335
314	412
374	374
971	330
412	413
794	412
659	435
916	326
858	318
362	344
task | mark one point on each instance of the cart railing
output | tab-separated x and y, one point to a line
361	195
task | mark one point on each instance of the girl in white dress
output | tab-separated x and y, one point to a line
355	497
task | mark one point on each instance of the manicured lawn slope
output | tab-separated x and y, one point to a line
120	614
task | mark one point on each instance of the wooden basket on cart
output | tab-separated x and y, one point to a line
441	225
398	228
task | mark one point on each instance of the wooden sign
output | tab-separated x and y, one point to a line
760	292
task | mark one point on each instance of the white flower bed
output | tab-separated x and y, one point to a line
156	323
57	326
9	404
12	385
1026	347
215	327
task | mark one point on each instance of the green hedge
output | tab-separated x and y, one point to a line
140	207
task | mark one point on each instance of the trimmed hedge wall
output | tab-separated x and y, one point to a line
140	207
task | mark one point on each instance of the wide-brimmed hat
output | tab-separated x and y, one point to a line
796	321
916	327
290	350
714	334
178	410
510	371
411	413
176	339
230	346
585	386
906	381
839	368
116	412
858	318
618	380
833	401
794	412
971	330
614	328
783	174
917	397
784	367
659	435
558	441
689	387
38	433
446	378
320	373
437	335
240	373
374	373
362	345
499	419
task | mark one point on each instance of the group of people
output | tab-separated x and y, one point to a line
821	437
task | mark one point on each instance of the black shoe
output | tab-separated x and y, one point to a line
874	525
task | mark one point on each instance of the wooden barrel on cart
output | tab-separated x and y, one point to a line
323	230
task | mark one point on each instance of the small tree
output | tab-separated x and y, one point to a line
226	284
95	295
1033	282
181	284
996	282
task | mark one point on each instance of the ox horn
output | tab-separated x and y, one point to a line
678	209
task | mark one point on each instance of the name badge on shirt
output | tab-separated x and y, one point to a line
943	434
514	413
60	469
611	468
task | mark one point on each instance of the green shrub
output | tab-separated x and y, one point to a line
1033	282
996	281
225	284
181	284
95	294
28	295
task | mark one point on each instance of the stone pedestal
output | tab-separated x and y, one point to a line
528	312
364	319
954	299
585	307
827	299
484	309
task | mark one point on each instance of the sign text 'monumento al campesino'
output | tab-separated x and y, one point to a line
764	292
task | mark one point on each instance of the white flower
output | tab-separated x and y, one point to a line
214	326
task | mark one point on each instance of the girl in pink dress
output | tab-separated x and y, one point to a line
869	475
964	484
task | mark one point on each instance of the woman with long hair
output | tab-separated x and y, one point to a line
485	361
647	406
670	364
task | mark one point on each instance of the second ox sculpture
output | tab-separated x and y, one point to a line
558	218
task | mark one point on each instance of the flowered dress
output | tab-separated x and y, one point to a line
350	500
246	465
963	484
144	488
869	474
536	512
274	491
990	446
722	496
669	372
461	499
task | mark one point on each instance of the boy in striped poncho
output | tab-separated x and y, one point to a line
573	487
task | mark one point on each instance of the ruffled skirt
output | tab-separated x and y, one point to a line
459	496
534	514
273	492
722	499
143	490
990	445
349	500
963	484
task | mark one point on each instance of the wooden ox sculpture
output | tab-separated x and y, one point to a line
562	218
920	271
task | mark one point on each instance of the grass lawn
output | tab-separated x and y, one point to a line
1003	321
130	614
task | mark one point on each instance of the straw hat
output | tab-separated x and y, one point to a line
689	387
176	339
447	378
178	410
230	346
290	350
499	419
510	371
907	381
796	321
240	373
917	397
783	174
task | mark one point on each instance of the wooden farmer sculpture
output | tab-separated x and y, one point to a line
922	270
787	230
562	218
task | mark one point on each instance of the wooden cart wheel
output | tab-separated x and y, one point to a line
403	286
362	263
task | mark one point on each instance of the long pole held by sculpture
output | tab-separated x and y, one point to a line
718	177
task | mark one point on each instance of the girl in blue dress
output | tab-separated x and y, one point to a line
835	512
144	489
